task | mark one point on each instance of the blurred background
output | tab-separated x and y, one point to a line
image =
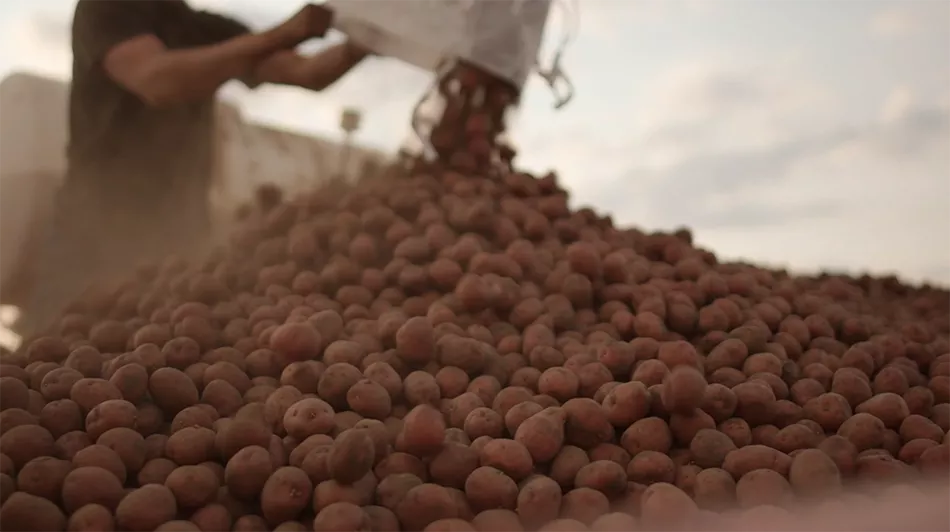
811	135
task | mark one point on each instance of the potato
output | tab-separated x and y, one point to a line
146	508
647	434
26	442
369	399
627	403
714	489
509	456
539	501
23	511
863	430
91	518
415	341
331	491
58	383
795	437
128	444
542	434
420	387
14	417
285	494
90	485
192	486
751	457
664	505
247	472
683	390
238	434
719	402
453	465
754	402
560	383
178	526
171	389
566	464
100	455
43	477
890	408
841	451
916	426
296	341
381	519
519	413
341	516
132	381
648	467
60	417
584	504
709	448
487	487
814	474
351	456
191	445
423	431
401	463
425	504
934	461
155	471
762	487
605	476
483	422
587	423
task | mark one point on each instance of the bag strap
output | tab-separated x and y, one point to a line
554	75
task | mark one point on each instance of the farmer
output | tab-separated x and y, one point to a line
145	73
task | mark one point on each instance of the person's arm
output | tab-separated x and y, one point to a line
316	72
120	36
284	67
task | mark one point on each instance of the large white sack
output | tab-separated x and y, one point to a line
501	36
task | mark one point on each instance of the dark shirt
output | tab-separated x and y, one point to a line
120	149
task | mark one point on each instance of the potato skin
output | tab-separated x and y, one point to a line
423	430
351	456
425	504
539	501
814	474
487	487
751	457
341	516
285	494
146	508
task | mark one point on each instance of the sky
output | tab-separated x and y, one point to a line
808	134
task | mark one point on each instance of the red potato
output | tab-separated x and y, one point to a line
665	505
683	390
351	456
539	501
423	430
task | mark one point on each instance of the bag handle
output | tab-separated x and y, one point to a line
445	65
554	75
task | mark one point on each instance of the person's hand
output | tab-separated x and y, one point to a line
310	22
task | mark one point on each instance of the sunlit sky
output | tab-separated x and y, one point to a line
806	133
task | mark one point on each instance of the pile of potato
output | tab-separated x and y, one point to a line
449	352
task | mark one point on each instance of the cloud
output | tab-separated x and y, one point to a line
893	22
908	18
842	195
